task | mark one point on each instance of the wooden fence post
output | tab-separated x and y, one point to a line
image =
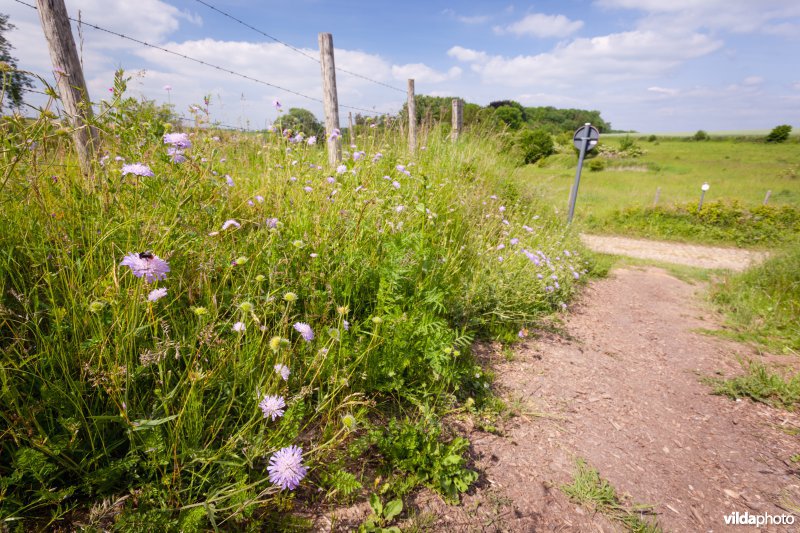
412	118
458	118
350	128
71	83
330	98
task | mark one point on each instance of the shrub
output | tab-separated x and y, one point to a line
779	134
597	164
701	136
532	145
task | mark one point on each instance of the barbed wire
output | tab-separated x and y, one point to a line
302	53
201	62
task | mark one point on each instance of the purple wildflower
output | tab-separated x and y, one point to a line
259	198
271	223
272	406
377	157
358	155
307	188
156	294
230	222
312	140
335	135
305	330
502	208
137	169
283	370
286	467
176	155
396	184
501	246
239	327
330	179
146	265
341	169
229	180
167	87
514	241
178	140
277	104
346	325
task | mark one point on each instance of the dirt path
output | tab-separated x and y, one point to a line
671	252
621	387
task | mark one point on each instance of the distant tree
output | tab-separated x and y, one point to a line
298	119
15	83
701	135
779	134
559	120
510	116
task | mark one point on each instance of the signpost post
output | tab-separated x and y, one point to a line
585	139
703	190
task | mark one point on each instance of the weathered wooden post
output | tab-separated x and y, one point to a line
350	128
412	118
458	118
71	83
330	98
766	198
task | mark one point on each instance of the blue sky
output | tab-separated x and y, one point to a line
646	65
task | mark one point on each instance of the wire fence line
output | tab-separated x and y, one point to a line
219	68
301	52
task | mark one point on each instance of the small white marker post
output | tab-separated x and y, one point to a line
703	190
585	139
766	198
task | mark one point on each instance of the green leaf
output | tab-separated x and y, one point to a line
392	509
375	503
141	425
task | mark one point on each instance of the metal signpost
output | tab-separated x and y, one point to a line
703	190
585	139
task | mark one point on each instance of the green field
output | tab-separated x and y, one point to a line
735	170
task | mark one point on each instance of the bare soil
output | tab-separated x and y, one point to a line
619	386
673	252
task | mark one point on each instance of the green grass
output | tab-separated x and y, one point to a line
107	396
762	304
760	385
740	171
596	493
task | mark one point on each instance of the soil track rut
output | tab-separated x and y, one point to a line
621	388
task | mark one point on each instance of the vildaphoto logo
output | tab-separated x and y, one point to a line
758	520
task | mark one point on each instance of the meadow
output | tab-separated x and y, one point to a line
619	184
216	328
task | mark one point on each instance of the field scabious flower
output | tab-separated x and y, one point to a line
312	140
305	331
286	467
230	222
156	294
272	406
239	327
137	169
281	369
146	265
229	180
178	140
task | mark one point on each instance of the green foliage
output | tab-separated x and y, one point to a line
701	135
589	489
13	82
716	222
381	516
301	120
652	139
760	385
779	134
762	304
597	164
510	116
416	450
105	392
564	120
533	145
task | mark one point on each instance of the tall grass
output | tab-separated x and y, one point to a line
763	303
149	410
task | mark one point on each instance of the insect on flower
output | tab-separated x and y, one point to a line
146	265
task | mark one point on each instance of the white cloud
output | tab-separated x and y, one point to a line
738	16
467	55
663	90
466	19
753	80
541	25
589	62
423	73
